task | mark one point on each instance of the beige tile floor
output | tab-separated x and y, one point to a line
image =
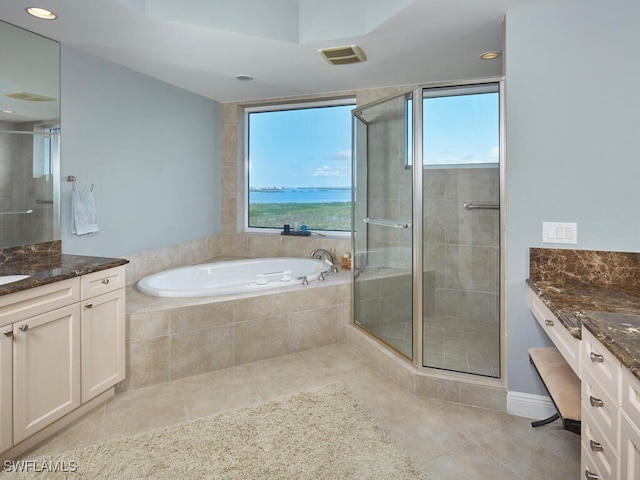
450	343
446	440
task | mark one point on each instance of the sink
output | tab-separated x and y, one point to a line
4	279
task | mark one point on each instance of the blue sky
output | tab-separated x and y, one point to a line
312	147
461	129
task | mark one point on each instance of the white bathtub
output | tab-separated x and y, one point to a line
236	276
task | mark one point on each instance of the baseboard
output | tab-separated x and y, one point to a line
529	405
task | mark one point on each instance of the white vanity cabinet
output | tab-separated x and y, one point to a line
46	369
62	345
610	415
6	388
568	345
103	331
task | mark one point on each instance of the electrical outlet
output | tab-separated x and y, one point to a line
558	232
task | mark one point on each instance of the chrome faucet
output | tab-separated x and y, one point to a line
327	256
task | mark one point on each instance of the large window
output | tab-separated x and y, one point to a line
299	166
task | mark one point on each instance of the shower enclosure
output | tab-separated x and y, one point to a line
426	243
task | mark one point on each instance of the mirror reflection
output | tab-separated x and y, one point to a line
29	137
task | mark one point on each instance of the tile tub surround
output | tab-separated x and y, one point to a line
173	338
228	247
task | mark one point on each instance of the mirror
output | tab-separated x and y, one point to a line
29	137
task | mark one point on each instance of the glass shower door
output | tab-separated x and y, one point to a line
382	216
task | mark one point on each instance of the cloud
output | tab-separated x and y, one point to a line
326	171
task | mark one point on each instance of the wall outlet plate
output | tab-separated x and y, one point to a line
559	232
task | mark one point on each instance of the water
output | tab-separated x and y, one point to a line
301	195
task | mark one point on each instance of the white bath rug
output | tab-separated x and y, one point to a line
319	434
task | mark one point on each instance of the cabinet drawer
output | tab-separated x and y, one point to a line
601	408
588	470
104	281
602	452
603	367
21	305
568	345
631	397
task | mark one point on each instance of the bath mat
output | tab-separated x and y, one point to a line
317	434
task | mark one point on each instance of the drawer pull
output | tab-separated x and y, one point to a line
548	323
596	357
591	476
8	333
89	305
23	328
595	446
595	402
105	281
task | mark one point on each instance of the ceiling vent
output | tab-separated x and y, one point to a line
29	97
343	55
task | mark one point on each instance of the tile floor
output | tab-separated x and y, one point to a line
446	440
450	343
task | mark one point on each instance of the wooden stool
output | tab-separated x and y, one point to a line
562	384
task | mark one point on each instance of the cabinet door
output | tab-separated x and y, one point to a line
6	388
46	369
103	343
629	450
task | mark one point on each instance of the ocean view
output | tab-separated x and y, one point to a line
300	195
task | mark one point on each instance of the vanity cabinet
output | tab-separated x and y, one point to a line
62	345
46	383
6	388
610	415
103	331
568	345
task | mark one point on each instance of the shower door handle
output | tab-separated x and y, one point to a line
476	206
386	223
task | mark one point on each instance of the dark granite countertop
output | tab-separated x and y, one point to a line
596	290
52	268
610	313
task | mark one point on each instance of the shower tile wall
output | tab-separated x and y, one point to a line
19	189
462	248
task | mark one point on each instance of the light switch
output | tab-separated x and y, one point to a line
559	232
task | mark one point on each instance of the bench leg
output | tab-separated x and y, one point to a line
539	423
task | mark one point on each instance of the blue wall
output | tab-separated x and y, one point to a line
573	137
152	151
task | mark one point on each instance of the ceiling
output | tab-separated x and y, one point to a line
201	45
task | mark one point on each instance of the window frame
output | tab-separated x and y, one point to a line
276	107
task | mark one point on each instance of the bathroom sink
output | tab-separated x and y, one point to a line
4	279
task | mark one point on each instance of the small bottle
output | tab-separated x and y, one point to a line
346	261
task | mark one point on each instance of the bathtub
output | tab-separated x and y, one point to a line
235	276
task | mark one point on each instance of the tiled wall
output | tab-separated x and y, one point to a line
172	343
462	246
19	189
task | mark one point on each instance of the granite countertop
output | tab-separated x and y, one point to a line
52	268
611	313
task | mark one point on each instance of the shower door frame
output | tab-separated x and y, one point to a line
417	219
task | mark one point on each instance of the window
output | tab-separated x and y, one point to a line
299	166
460	126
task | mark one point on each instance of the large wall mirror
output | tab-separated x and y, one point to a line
29	137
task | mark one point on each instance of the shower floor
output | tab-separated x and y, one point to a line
450	343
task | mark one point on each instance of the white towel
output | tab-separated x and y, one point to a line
84	218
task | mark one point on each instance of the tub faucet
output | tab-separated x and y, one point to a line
327	256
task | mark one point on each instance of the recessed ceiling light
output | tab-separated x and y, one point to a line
8	111
41	13
490	55
244	78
